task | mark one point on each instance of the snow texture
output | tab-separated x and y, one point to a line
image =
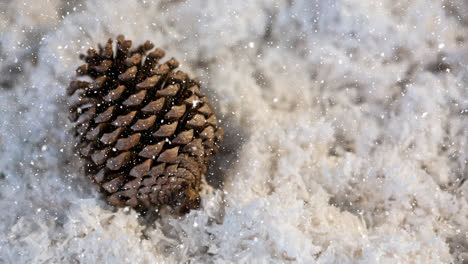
346	121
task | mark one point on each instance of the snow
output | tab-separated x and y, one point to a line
347	133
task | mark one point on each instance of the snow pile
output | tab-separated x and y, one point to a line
346	120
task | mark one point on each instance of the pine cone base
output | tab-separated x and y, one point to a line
144	129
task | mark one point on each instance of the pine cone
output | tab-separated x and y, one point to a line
146	131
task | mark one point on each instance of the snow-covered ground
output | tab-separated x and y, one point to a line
346	121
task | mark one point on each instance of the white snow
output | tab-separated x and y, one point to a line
347	137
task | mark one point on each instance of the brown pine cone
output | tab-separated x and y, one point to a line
145	130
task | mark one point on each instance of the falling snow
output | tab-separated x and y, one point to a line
346	122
